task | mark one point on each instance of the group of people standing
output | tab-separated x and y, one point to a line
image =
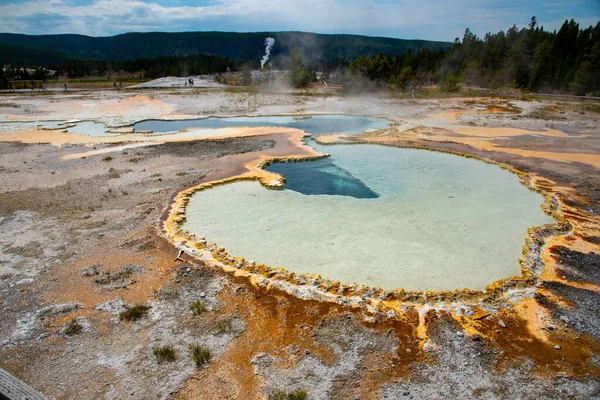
42	87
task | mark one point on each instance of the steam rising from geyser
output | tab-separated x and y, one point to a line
269	42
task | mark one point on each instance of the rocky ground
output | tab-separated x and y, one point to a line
79	245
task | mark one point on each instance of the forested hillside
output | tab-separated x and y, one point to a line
30	57
235	46
531	58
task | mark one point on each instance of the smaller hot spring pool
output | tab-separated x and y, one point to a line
315	125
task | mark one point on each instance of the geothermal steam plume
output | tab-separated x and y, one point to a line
269	42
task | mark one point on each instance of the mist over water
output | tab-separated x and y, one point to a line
435	221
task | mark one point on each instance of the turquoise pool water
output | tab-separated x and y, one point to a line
380	216
315	125
89	128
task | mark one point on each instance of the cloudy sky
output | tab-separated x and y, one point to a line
423	19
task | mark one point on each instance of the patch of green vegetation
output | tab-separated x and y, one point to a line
309	93
222	327
299	394
540	114
232	80
299	73
124	273
113	174
450	84
134	160
197	307
134	313
107	158
592	107
10	105
102	80
73	328
242	89
164	354
201	355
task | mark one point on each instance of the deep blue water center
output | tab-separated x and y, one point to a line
321	177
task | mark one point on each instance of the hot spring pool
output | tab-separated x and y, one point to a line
380	216
314	125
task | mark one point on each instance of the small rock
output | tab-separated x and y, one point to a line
93	270
501	323
550	327
58	309
477	338
202	295
112	306
557	347
565	319
306	352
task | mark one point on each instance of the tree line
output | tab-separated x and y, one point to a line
531	58
180	66
149	67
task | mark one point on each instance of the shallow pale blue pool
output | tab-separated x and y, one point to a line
380	216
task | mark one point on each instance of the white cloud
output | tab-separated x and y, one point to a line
433	19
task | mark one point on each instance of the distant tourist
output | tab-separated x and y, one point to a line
115	85
65	86
10	87
120	85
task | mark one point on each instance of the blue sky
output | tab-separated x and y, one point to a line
408	19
